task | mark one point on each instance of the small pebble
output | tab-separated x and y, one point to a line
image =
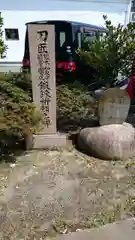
12	165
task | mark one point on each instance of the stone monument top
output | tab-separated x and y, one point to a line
113	106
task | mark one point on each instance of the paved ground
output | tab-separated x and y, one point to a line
49	193
124	230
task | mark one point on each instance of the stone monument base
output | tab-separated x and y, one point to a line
50	141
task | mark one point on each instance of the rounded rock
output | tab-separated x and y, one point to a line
115	141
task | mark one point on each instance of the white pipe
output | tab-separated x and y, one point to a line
125	18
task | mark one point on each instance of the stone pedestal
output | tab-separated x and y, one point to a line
42	62
52	141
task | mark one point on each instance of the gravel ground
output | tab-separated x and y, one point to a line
46	193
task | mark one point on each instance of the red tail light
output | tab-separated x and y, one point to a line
68	66
26	63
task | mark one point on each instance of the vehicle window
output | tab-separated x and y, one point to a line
79	38
62	38
90	36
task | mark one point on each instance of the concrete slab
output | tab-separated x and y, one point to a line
49	141
124	230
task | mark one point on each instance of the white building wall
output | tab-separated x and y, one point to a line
17	19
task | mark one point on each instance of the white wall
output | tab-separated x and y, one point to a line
17	19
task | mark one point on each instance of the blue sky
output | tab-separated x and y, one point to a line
60	5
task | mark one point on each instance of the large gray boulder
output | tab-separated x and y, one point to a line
115	141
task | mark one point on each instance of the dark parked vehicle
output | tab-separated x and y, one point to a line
69	36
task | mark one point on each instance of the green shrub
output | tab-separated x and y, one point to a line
18	114
110	54
3	47
74	103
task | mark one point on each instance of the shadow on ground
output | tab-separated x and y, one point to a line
14	147
47	192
